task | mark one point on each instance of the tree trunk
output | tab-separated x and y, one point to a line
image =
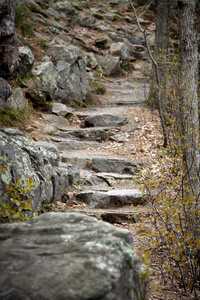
8	38
188	93
161	49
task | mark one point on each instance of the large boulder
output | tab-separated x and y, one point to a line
69	256
121	50
22	159
17	100
109	64
72	83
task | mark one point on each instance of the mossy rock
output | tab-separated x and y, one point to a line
97	88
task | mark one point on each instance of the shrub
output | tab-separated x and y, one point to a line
174	235
17	206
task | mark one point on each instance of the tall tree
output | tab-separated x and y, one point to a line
161	49
8	38
188	93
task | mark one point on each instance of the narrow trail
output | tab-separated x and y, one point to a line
108	144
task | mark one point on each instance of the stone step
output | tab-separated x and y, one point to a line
67	145
105	120
100	161
112	216
112	198
86	134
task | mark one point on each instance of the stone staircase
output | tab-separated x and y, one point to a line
107	190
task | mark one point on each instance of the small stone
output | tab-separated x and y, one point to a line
61	109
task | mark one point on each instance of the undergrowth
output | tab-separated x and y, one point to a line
16	204
11	117
174	234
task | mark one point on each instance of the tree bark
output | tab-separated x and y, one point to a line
161	49
188	93
8	38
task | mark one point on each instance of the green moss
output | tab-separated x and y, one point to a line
22	21
11	117
97	88
43	43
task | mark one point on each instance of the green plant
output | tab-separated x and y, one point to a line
11	117
174	235
43	43
17	205
22	20
96	87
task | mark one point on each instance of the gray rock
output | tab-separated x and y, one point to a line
88	178
105	120
69	256
56	120
118	138
25	160
64	7
75	145
5	93
54	30
49	151
87	134
49	129
134	40
109	64
112	215
26	60
61	109
133	128
121	50
73	171
53	13
72	80
90	21
113	165
110	199
103	42
47	74
103	28
17	100
91	60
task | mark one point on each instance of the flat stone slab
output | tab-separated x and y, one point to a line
112	215
86	134
100	161
105	120
112	198
114	165
75	145
68	256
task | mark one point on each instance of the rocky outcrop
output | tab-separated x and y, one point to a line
8	39
68	256
24	159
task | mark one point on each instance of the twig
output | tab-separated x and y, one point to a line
157	74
